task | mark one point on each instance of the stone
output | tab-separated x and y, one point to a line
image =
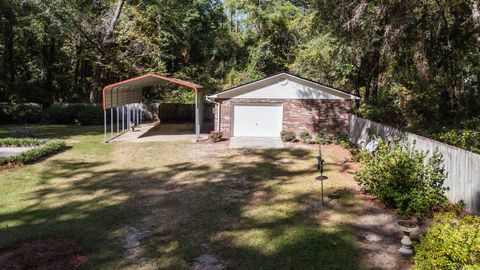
373	237
207	262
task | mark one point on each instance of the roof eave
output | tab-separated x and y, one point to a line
340	92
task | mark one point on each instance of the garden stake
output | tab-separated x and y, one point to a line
320	162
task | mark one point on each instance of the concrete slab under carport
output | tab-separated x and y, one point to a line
162	132
256	142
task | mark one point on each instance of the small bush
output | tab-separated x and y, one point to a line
58	115
26	114
5	116
451	243
90	115
42	148
25	133
360	155
338	138
305	137
342	140
215	136
287	136
400	178
322	138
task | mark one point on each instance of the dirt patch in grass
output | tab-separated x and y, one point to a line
10	166
49	253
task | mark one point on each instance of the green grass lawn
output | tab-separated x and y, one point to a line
249	209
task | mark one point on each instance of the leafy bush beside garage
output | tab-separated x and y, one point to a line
287	136
404	178
41	148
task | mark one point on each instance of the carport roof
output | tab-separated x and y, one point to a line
130	91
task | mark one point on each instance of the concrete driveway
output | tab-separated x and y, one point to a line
255	142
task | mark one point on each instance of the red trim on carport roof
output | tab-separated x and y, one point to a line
174	81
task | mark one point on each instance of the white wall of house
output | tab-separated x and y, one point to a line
285	89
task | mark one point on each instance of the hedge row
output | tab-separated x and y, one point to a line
22	142
30	114
42	148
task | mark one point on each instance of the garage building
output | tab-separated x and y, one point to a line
265	107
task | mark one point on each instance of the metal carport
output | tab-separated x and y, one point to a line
126	98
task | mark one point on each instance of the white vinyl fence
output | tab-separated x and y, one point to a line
463	167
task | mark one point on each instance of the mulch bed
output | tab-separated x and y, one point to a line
49	253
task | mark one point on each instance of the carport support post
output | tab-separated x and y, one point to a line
197	120
123	118
118	120
111	120
132	111
105	124
128	117
138	113
133	114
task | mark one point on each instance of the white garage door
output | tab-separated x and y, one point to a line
257	120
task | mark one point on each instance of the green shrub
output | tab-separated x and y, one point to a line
322	138
26	114
468	139
215	136
338	138
5	116
25	133
386	110
305	137
287	136
472	123
401	178
342	140
90	115
59	115
42	148
19	142
451	243
360	155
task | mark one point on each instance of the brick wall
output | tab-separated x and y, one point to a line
313	115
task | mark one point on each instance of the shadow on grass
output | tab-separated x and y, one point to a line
231	209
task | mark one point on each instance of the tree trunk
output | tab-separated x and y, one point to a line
95	87
356	85
107	41
48	66
109	37
8	57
